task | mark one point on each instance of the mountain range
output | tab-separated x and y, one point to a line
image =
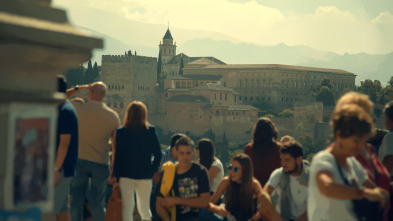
121	35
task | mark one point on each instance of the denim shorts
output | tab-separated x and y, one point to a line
62	191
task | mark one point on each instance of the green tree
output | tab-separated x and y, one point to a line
129	53
324	93
224	152
74	76
311	145
390	82
371	88
326	96
181	66
209	134
386	95
88	73
96	71
286	113
325	81
159	66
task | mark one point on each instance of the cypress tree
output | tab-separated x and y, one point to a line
224	156
181	66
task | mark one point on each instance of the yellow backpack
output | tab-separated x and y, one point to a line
168	177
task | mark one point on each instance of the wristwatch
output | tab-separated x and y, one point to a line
76	87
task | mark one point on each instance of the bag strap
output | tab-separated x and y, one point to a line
342	174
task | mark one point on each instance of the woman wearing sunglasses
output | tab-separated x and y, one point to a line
242	194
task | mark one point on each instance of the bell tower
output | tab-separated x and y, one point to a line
167	48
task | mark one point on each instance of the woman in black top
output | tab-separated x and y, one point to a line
136	143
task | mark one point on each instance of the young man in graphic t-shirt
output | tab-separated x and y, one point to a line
291	182
190	186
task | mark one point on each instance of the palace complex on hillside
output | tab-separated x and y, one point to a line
194	94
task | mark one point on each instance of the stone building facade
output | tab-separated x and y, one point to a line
195	94
129	78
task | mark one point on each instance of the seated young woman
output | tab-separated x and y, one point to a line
242	193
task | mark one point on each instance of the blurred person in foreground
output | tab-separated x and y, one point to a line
336	177
66	152
376	171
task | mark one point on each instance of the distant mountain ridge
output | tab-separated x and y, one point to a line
121	35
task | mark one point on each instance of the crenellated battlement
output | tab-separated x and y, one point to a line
145	59
127	59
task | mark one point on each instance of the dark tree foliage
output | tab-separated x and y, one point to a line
390	82
74	76
159	64
325	81
181	66
371	88
129	53
91	74
386	95
224	152
326	96
324	93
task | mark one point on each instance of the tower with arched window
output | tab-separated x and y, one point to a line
167	48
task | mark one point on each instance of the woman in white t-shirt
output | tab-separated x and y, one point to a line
336	177
206	151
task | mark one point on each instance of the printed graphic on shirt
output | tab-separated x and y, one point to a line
188	188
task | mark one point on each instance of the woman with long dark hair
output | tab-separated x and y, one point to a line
136	143
264	149
242	194
206	152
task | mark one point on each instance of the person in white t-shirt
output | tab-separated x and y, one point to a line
386	149
336	177
290	182
205	150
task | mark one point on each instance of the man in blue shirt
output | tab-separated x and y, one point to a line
66	153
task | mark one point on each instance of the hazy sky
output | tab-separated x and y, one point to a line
340	26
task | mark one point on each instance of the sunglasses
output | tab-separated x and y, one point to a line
235	169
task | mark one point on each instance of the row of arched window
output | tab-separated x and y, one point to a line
245	98
189	84
143	88
115	87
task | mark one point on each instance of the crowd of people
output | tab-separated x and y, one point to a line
349	180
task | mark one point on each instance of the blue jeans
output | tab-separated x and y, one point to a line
98	173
